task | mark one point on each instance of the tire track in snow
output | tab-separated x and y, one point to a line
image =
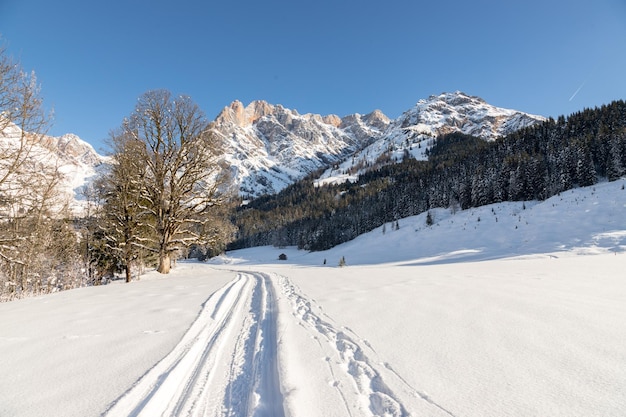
224	365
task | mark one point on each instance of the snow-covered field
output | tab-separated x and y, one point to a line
516	309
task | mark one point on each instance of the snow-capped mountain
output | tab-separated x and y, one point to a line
75	159
269	147
415	130
449	112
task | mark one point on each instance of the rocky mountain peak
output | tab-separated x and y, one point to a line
270	146
332	119
377	119
72	148
457	98
74	159
458	111
237	114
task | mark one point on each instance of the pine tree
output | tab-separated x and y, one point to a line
615	168
429	219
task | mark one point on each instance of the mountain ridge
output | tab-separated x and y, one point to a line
75	160
268	146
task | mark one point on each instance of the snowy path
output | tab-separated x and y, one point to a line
225	365
363	383
347	365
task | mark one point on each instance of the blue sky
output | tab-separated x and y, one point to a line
94	58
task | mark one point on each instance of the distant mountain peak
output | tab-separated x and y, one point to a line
458	111
74	159
269	146
416	130
241	115
377	118
455	98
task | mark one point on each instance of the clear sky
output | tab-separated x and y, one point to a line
94	58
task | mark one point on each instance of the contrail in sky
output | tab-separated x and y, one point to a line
576	92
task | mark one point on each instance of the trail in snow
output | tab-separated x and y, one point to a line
225	365
371	390
359	378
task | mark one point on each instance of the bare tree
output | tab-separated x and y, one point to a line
36	244
21	116
182	176
217	232
124	219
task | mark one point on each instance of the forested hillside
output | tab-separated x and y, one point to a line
462	171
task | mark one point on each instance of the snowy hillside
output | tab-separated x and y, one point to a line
581	221
511	309
269	147
75	159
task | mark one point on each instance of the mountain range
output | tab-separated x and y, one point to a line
269	146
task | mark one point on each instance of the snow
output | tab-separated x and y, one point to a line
72	353
330	179
268	147
519	316
76	161
416	130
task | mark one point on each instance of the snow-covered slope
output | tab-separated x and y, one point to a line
412	326
580	221
75	159
415	130
269	147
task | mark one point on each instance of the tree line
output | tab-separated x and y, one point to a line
461	172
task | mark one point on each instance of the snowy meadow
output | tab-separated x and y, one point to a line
514	309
